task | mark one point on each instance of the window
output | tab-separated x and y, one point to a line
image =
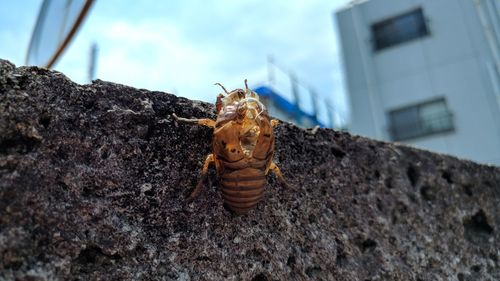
420	120
399	29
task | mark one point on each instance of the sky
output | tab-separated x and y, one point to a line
184	47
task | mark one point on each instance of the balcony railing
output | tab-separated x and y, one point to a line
422	126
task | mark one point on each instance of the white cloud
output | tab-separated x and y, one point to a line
197	45
152	54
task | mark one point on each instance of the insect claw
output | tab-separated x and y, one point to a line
180	119
190	199
284	184
194	194
291	188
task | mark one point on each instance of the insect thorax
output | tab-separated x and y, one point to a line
246	113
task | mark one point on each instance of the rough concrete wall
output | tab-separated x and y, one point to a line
93	181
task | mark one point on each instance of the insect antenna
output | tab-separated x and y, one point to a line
219	84
246	84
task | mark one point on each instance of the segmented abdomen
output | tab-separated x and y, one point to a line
243	189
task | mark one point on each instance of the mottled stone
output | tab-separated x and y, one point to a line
93	181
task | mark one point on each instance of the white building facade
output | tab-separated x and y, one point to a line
425	73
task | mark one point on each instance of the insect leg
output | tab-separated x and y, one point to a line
199	186
205	122
279	176
218	103
274	122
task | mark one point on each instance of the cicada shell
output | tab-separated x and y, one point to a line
243	149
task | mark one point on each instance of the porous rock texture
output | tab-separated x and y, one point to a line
93	182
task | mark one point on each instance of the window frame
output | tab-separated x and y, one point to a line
421	123
378	46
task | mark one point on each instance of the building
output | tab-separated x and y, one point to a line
426	73
281	108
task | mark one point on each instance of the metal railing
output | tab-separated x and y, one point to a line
422	126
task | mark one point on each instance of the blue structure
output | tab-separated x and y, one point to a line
281	108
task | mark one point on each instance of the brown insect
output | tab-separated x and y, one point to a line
243	148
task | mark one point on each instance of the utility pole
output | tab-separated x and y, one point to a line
92	61
314	99
331	112
296	95
270	70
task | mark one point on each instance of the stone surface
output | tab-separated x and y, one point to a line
93	181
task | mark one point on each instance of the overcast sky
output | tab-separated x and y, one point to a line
184	47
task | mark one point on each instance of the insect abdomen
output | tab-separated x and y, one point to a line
243	189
